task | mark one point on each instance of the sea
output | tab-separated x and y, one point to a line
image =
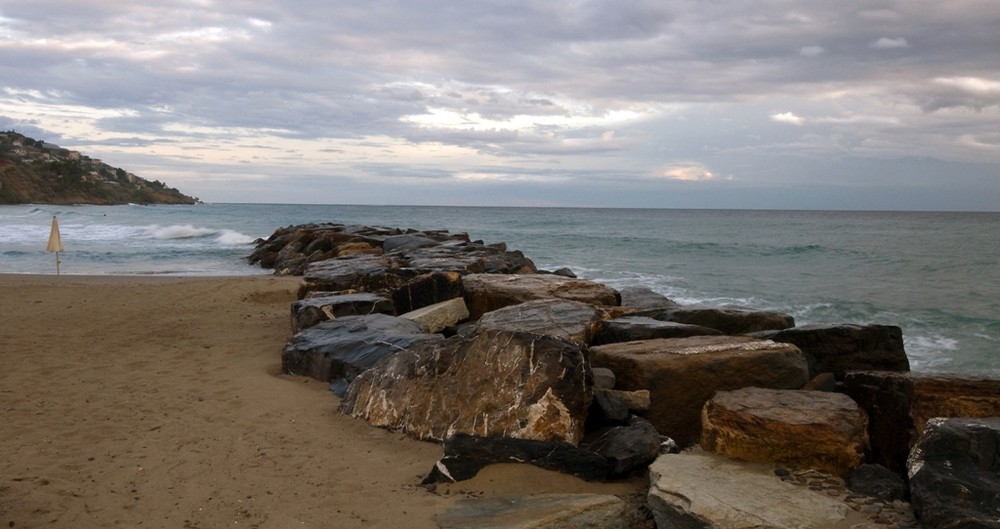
934	274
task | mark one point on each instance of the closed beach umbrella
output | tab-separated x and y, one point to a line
55	242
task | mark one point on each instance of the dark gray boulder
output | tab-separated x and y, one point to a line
730	320
954	472
646	299
465	455
877	481
337	351
629	447
548	317
364	272
629	328
846	347
318	308
426	290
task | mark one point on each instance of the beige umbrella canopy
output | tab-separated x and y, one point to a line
55	242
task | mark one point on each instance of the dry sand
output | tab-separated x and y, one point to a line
159	402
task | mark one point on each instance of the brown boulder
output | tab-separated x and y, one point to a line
900	404
494	384
801	429
488	292
681	374
315	309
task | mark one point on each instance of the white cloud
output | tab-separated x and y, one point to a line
886	43
787	117
693	172
974	85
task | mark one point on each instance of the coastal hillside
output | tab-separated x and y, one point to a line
36	172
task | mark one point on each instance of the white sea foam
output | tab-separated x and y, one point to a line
178	231
233	238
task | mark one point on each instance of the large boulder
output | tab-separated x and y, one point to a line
681	374
318	308
646	299
488	292
543	511
900	404
364	272
841	348
629	328
494	384
954	472
338	350
631	446
728	319
795	428
549	317
705	491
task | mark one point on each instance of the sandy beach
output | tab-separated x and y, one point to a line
137	401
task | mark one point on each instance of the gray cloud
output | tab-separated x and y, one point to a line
520	94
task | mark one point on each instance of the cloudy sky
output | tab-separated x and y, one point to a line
649	103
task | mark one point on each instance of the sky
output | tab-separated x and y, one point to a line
756	104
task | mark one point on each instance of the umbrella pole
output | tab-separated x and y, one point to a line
57	263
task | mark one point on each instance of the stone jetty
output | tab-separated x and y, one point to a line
738	417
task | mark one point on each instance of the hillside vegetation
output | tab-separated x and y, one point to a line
36	172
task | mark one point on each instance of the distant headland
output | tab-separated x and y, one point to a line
36	172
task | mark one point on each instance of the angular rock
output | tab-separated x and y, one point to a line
728	320
705	491
629	328
604	378
440	316
338	350
681	374
489	292
465	455
629	447
365	272
877	481
954	472
899	404
636	401
548	317
494	384
800	429
427	289
841	348
642	298
315	309
606	409
544	511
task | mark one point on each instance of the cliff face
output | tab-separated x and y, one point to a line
35	172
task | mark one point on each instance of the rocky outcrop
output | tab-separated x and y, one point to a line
704	491
899	404
838	349
727	319
954	472
561	318
544	511
681	374
799	429
319	308
427	289
629	328
489	292
494	384
338	350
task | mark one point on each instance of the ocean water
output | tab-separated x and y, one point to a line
936	275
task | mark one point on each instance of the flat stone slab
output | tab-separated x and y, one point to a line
697	490
547	317
845	347
544	511
488	292
629	328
